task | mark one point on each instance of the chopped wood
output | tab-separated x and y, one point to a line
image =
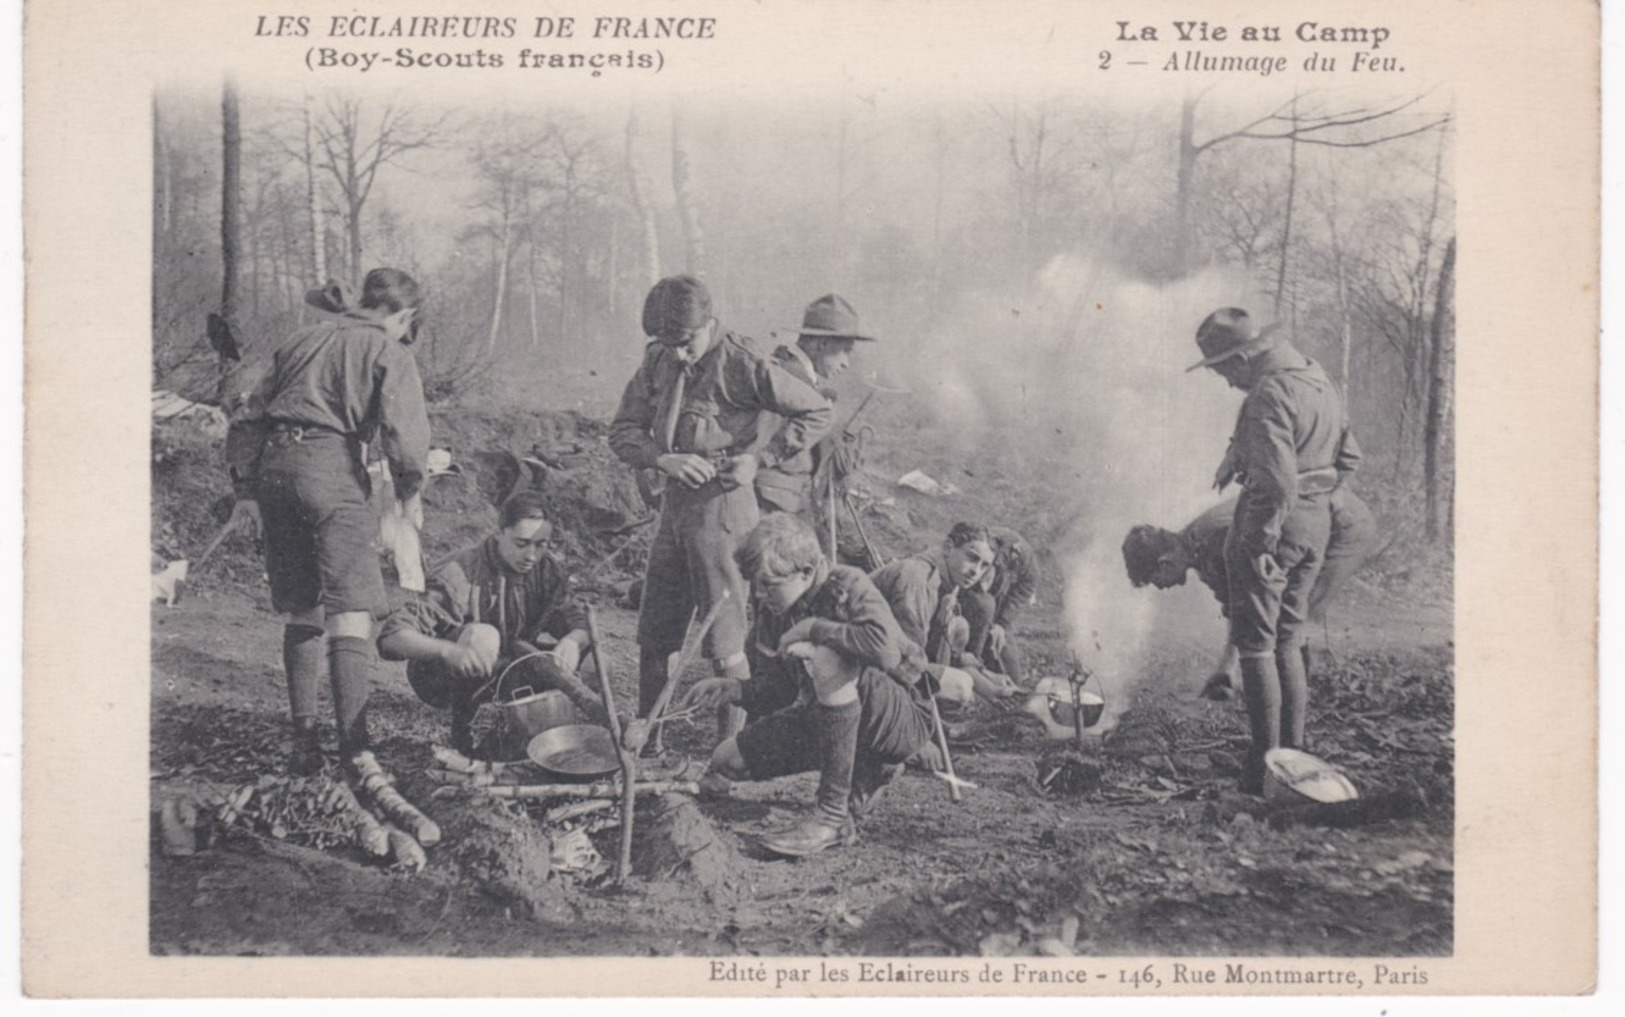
599	790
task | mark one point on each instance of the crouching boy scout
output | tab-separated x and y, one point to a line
487	606
835	684
692	411
1162	558
991	605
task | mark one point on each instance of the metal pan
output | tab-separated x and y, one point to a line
575	750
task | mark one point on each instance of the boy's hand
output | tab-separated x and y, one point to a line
713	693
800	632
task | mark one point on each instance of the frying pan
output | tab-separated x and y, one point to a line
575	750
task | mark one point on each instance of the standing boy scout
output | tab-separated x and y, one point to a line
692	411
1291	437
488	606
823	349
296	465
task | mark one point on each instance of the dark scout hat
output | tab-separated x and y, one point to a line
1229	332
831	317
678	304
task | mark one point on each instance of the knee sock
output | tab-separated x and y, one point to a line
1294	695
349	665
302	660
836	731
1261	687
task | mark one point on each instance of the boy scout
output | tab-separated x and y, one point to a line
297	470
1162	558
835	686
991	605
1290	439
692	411
487	606
823	349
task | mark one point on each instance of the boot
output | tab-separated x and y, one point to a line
836	732
814	834
1219	688
306	758
1261	688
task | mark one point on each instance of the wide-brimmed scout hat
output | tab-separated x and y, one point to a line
678	304
831	317
1229	332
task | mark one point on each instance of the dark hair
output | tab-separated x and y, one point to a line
521	506
780	545
676	305
968	533
1144	548
389	289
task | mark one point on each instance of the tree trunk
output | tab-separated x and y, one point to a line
318	230
640	207
1286	221
1183	242
501	294
682	184
230	201
1441	381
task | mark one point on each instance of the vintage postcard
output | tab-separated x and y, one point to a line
811	499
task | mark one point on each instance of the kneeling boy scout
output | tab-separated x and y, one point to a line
836	685
487	606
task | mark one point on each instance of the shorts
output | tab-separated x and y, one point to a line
894	725
691	564
320	532
1266	616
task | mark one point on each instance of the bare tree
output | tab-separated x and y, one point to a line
313	206
1354	127
356	146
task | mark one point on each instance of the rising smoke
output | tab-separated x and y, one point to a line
1087	380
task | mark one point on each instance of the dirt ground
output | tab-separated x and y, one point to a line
1155	851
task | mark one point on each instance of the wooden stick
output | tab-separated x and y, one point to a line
599	790
942	746
578	809
214	544
685	656
629	764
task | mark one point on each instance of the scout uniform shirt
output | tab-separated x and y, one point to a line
1013	579
473	585
922	598
1292	441
851	617
723	396
787	485
351	376
1204	541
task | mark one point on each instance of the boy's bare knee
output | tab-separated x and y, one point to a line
482	638
350	624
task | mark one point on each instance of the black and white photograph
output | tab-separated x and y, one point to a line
919	525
